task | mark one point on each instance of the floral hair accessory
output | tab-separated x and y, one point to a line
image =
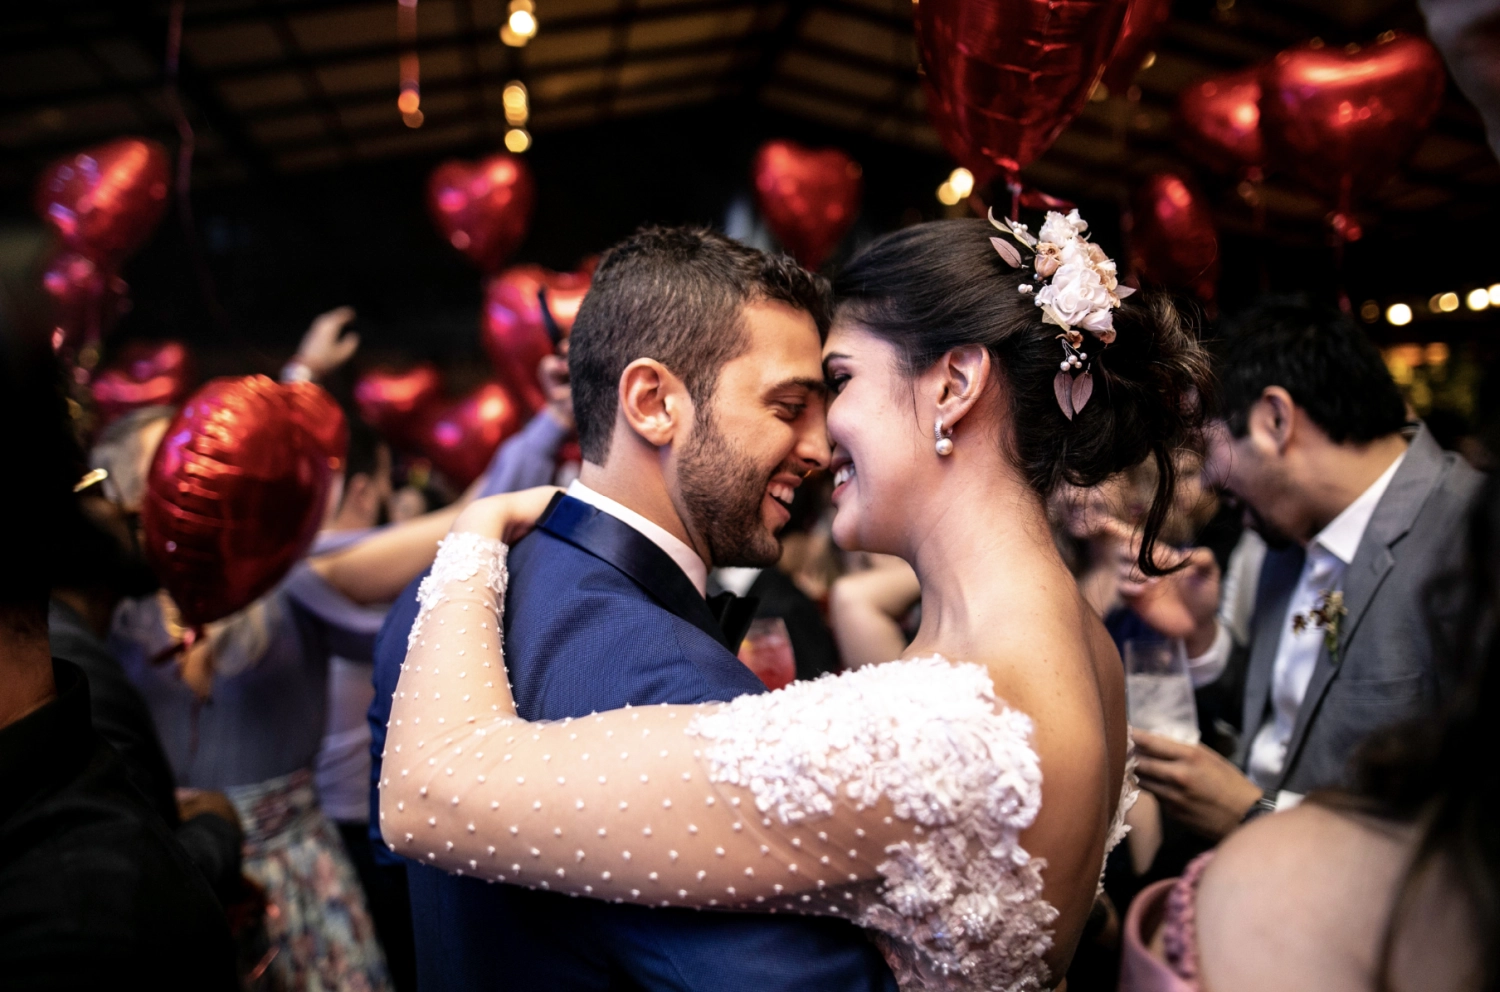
1076	287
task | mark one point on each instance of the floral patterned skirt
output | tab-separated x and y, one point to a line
316	915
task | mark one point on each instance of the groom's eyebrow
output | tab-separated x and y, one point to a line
815	386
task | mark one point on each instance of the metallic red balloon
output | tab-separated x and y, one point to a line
1342	121
236	492
320	415
145	373
1172	239
1219	121
86	301
1143	22
460	440
396	403
1006	76
106	200
809	198
513	329
483	208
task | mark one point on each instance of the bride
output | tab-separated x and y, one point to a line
959	802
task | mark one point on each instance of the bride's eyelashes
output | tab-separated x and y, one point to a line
836	382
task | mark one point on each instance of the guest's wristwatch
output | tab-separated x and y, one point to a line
1265	804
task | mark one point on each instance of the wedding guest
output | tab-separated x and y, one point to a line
98	563
94	888
868	609
243	713
1359	514
1391	886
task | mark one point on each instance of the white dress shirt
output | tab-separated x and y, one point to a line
1328	557
686	558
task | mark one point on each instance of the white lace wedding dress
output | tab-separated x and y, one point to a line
893	796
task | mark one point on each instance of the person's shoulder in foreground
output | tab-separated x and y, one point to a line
94	891
1300	900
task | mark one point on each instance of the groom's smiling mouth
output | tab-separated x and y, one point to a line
781	494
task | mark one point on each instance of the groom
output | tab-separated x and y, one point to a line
699	400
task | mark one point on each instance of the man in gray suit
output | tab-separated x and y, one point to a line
1361	515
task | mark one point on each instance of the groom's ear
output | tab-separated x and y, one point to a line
961	377
654	402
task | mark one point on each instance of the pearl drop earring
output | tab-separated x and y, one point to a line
944	441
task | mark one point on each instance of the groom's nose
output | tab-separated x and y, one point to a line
813	448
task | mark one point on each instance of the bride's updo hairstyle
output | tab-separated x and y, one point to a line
933	287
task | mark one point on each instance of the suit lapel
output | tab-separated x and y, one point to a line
1419	474
1278	577
627	549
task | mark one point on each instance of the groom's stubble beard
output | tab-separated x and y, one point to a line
722	490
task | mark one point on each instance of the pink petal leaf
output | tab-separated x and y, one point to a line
1001	224
1083	388
1124	291
1062	388
1007	251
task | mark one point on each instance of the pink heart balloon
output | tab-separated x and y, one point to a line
483	208
809	198
1220	121
1144	20
396	403
1172	239
1004	77
515	333
146	373
106	200
237	490
460	439
1343	121
86	300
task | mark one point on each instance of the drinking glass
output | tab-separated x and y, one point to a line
1158	690
767	651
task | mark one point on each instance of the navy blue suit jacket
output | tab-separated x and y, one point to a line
596	617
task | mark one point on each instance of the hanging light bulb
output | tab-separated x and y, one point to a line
514	98
520	26
962	181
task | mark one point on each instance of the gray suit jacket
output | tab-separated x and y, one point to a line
1399	619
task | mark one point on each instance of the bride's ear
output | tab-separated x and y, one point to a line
961	377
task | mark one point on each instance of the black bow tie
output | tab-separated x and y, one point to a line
734	614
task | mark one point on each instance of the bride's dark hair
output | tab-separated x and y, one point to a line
933	287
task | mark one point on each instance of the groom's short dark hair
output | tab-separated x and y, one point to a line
673	294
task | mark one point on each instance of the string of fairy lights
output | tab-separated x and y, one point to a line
520	27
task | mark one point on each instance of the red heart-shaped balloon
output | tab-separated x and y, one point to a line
1006	76
396	403
461	439
1172	239
236	492
514	330
1220	121
809	198
145	373
483	208
105	201
318	413
1143	22
1342	121
86	301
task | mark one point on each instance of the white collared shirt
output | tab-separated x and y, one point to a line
686	558
1328	557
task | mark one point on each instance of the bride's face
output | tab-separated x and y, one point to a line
879	450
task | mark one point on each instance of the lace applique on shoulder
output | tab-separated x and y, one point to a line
1129	793
460	557
961	906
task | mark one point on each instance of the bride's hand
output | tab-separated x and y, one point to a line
507	517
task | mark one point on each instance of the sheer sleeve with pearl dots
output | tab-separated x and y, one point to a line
894	795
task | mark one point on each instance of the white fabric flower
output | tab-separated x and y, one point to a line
1060	230
1077	289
